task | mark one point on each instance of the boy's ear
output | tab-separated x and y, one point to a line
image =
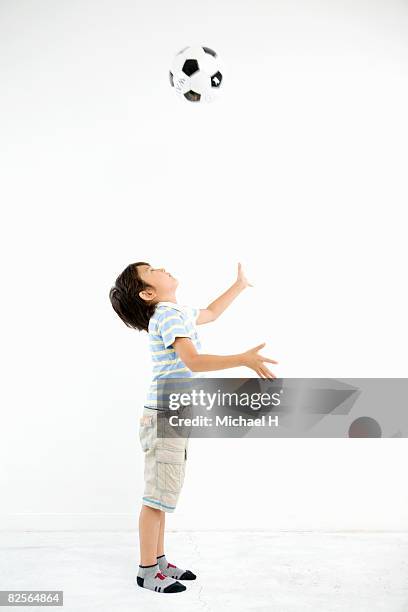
147	295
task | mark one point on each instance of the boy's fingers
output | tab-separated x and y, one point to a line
256	348
270	374
268	360
267	373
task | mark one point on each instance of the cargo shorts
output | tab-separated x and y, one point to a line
164	464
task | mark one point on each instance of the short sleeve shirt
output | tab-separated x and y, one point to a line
169	321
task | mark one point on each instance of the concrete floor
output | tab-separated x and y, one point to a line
260	571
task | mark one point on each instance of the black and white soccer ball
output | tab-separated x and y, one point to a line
196	74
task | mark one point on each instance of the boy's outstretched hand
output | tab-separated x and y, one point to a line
242	279
252	359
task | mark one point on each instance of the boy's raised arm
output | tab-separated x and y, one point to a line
218	306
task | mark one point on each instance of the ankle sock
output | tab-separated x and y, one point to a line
150	577
172	570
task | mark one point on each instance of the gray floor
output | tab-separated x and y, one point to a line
262	571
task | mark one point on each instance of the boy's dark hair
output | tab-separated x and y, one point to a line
126	301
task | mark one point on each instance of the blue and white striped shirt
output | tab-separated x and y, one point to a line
168	322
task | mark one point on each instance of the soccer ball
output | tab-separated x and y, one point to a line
196	74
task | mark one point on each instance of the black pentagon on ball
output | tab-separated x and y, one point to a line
192	96
190	67
171	79
216	79
210	51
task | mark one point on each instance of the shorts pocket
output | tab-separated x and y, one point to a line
170	469
147	431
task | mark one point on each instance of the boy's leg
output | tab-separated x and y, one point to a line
149	575
149	529
151	519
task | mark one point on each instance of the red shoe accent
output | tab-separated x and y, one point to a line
161	576
171	565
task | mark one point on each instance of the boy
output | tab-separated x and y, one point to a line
145	299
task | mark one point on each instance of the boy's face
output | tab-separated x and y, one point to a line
163	283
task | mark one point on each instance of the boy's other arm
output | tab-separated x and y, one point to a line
197	362
218	306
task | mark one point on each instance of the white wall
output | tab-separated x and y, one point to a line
298	171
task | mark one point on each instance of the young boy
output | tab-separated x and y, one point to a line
145	299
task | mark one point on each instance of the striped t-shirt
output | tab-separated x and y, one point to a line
168	322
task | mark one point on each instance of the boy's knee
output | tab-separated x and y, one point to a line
152	511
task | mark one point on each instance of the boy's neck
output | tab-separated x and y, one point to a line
168	299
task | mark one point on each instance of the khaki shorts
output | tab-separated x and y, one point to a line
165	464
